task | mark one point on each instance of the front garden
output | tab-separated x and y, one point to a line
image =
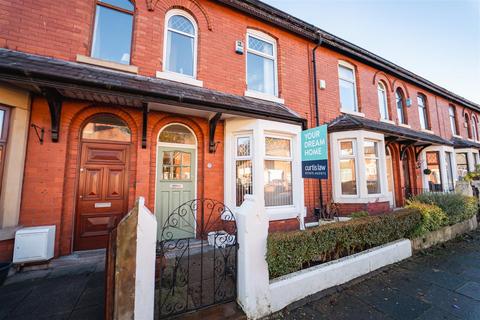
289	252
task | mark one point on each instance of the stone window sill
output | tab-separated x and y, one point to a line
107	64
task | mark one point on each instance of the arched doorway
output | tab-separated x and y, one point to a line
176	179
102	192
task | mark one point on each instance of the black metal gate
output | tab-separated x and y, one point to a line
201	270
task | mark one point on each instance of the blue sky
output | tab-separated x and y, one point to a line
438	40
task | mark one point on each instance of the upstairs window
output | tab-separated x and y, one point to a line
181	43
348	90
474	128
261	64
112	33
400	102
423	112
468	126
453	120
382	101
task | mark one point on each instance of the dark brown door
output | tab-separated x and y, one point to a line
102	193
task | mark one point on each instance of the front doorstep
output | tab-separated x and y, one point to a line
298	285
444	234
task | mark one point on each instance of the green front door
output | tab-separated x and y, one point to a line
175	186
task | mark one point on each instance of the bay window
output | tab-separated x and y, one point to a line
113	28
359	167
261	64
462	164
434	179
348	90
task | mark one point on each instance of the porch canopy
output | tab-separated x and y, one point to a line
405	137
459	143
58	79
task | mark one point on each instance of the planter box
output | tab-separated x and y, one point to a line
444	234
298	285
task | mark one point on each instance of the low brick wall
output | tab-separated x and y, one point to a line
444	234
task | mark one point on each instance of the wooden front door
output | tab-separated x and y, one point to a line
175	186
102	196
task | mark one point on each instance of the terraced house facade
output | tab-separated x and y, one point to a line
102	101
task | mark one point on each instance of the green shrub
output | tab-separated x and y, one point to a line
288	252
359	214
457	206
433	217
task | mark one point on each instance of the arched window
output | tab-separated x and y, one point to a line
453	119
474	128
261	63
423	111
178	134
106	127
382	101
180	43
348	88
400	102
468	125
112	33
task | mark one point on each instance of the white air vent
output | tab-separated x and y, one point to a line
34	244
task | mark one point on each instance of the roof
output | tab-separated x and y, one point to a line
306	30
80	81
393	132
459	143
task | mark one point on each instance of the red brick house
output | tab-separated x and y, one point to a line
103	101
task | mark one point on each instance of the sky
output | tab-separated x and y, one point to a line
438	40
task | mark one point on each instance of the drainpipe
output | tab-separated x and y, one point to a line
317	115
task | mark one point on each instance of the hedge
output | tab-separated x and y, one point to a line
433	217
288	252
456	206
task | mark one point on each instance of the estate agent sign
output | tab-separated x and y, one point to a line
315	153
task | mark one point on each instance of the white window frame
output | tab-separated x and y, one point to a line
352	68
175	76
376	158
382	89
236	158
289	159
403	99
453	120
264	37
362	195
422	108
474	127
348	157
470	152
259	129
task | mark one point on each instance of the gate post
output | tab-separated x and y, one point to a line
253	279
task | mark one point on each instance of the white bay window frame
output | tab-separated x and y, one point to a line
259	130
362	195
471	153
442	150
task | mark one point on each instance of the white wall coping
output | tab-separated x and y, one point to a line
298	285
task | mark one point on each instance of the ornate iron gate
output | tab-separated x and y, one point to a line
200	271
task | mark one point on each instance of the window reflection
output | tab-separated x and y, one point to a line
106	127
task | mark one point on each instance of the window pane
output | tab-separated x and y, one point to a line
180	53
448	160
105	127
186	173
112	37
347	95
186	159
261	74
462	164
167	172
177	134
370	148
124	4
434	179
177	158
422	112
382	102
346	73
260	45
399	98
243	180
346	148
453	124
181	24
277	147
348	176
371	174
243	146
278	183
167	158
